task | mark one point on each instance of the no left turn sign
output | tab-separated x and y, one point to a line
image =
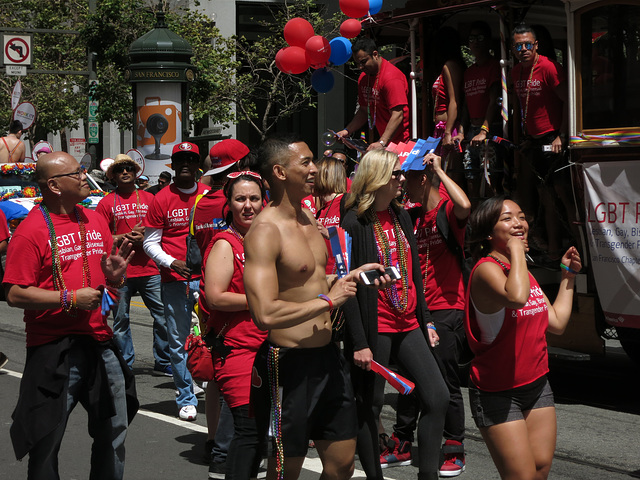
17	49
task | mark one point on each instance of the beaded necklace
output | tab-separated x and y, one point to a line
138	217
502	264
373	94
426	263
56	265
236	233
273	357
384	254
526	105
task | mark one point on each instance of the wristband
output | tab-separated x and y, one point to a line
568	269
431	326
484	129
326	299
120	284
381	142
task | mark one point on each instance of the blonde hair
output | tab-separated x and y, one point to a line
331	177
374	171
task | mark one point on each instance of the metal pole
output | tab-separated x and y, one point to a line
413	23
503	67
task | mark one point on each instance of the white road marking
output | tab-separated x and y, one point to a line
311	464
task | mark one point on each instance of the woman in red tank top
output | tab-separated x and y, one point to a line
507	317
237	339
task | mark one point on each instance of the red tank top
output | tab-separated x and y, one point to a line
518	355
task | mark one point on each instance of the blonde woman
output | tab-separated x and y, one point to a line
393	322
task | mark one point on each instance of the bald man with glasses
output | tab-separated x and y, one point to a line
59	260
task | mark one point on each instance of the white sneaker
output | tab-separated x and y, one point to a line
188	412
197	391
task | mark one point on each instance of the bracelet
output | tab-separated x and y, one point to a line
120	284
381	142
326	299
568	269
74	300
431	326
484	129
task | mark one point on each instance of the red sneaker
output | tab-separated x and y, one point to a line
397	454
453	459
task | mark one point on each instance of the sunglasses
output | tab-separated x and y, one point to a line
476	38
396	174
525	45
76	174
123	168
233	175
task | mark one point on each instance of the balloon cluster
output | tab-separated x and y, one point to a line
306	49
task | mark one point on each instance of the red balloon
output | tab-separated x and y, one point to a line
292	60
355	8
279	56
297	31
350	28
318	51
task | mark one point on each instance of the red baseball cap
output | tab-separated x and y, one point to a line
225	154
185	148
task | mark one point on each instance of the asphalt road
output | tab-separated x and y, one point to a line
598	420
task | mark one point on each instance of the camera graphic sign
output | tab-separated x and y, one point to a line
158	125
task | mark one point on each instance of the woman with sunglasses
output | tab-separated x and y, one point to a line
507	318
229	327
393	322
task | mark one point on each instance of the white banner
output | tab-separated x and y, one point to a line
612	203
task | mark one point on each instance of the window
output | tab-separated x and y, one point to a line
609	37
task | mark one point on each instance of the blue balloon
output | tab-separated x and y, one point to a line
374	6
322	80
340	50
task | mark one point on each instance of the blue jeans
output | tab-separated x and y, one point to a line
107	452
149	289
224	433
177	311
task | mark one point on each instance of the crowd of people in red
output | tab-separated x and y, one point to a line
293	337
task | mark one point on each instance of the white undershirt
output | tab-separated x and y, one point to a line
488	323
152	243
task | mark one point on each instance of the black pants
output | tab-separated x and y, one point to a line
450	327
413	355
244	456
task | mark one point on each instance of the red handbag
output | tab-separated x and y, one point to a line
199	360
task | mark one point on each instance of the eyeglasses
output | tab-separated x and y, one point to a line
123	168
233	175
476	38
525	45
77	173
397	173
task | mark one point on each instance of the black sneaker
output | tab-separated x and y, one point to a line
208	446
217	470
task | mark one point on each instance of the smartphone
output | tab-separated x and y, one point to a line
370	276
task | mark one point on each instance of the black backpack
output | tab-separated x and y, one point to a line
442	224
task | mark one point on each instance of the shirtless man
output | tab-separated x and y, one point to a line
290	296
11	147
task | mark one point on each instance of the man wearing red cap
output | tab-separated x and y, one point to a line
166	227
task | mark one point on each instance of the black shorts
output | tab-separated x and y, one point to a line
316	396
493	408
